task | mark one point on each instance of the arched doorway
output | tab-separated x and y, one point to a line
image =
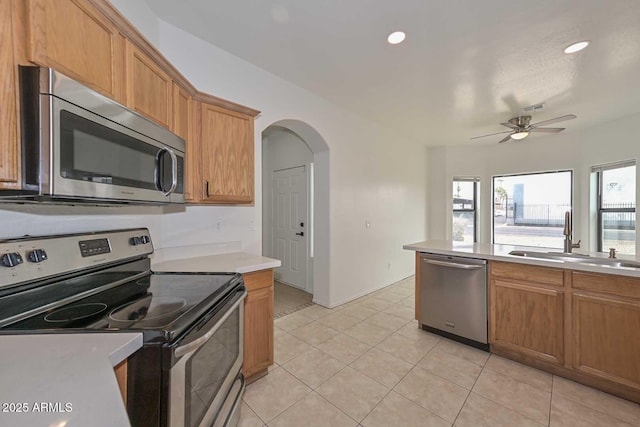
295	166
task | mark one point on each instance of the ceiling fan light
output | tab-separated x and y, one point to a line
520	135
576	47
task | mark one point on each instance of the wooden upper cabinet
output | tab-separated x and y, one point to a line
9	144
182	112
149	87
74	38
227	155
184	126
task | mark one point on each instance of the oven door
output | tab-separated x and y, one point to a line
206	366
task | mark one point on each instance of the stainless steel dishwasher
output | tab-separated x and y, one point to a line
453	298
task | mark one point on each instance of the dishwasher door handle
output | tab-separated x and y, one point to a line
453	264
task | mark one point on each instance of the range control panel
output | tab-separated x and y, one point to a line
94	247
32	258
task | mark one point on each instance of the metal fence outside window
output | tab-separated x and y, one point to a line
547	215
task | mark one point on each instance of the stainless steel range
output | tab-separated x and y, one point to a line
188	371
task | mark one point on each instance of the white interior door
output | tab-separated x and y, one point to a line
290	228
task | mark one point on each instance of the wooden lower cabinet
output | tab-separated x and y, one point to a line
605	316
585	327
258	324
121	376
527	319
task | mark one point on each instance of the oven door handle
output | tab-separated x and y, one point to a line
200	341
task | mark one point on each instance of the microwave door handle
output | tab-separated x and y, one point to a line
174	172
200	341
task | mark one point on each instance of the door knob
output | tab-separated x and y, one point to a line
300	233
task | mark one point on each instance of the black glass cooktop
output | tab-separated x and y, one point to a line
161	305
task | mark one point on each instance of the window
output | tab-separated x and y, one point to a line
616	205
465	195
529	209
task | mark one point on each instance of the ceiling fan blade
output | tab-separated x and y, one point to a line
505	139
546	130
555	120
509	125
491	134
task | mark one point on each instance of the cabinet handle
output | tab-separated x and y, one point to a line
206	189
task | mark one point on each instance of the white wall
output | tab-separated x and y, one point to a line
374	175
578	151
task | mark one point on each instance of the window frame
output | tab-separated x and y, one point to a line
475	181
598	170
493	189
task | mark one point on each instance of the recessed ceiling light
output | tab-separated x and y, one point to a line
396	37
576	47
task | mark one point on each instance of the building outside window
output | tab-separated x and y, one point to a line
465	202
616	207
529	209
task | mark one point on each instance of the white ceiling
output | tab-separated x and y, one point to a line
465	66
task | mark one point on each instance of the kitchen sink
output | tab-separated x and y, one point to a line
574	257
559	256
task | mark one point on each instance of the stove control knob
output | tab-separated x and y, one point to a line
134	241
37	255
144	239
11	259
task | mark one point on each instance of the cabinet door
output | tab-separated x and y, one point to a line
74	38
149	88
527	320
181	112
121	376
258	331
193	182
227	155
607	338
8	113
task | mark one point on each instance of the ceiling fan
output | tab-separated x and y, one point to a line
520	127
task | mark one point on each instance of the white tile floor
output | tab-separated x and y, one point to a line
367	364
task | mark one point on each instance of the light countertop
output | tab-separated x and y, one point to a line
501	253
236	262
68	377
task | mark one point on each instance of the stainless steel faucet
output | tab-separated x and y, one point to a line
568	245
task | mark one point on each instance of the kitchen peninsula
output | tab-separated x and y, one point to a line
575	316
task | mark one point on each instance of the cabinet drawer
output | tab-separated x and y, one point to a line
606	283
531	273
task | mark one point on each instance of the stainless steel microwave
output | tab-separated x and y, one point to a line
80	146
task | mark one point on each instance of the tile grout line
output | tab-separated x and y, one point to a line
551	399
573	400
500	404
469	394
314	346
